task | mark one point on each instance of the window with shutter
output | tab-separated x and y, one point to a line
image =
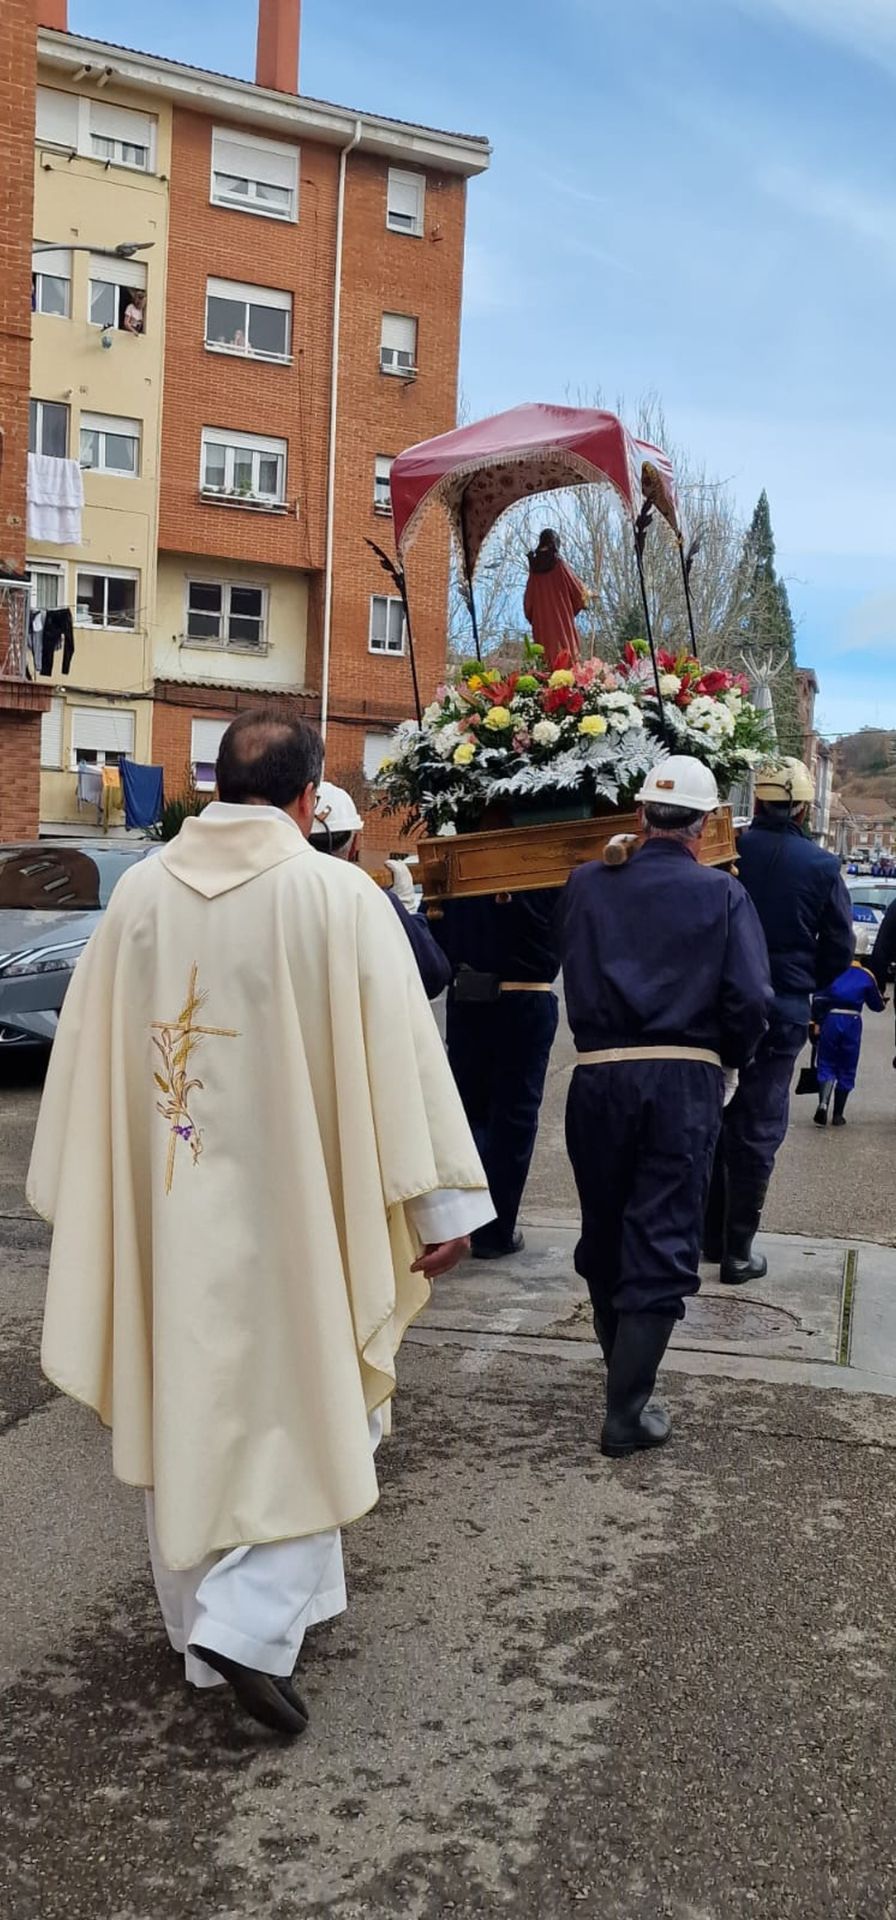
398	344
205	740
255	176
57	118
254	321
405	201
102	735
120	136
382	497
51	733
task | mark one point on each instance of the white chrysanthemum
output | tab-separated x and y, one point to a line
445	739
546	733
670	685
617	702
733	699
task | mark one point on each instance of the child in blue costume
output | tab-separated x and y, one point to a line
837	1021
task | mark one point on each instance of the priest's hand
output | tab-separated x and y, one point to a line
441	1257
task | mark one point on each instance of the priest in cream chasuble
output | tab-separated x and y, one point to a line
248	1136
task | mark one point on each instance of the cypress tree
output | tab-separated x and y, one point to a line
766	624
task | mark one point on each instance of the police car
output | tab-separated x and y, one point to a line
870	900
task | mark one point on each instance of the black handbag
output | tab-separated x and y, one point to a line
808	1080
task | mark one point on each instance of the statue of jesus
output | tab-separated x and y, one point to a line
554	595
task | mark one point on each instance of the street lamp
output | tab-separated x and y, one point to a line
126	249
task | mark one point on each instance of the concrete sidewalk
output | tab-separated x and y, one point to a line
825	1315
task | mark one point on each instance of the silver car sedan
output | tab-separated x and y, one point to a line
52	896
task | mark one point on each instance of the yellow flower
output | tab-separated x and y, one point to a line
475	682
464	753
593	724
498	719
385	766
562	678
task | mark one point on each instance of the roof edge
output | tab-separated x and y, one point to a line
281	113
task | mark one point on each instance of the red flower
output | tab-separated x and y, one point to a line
715	682
563	700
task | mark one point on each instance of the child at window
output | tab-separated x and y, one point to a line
135	311
837	1025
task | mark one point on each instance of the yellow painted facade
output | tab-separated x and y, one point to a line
88	203
280	660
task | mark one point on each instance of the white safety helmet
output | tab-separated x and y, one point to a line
785	782
334	812
680	781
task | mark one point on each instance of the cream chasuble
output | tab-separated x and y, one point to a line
246	1086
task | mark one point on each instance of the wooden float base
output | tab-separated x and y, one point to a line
517	859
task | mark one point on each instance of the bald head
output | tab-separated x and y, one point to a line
265	760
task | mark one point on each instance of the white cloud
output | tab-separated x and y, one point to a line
853	209
864	27
871	626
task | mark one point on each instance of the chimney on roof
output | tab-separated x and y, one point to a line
52	13
277	56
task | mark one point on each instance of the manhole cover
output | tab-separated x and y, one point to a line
710	1318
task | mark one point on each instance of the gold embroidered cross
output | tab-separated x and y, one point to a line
175	1041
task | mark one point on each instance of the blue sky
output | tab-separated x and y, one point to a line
692	197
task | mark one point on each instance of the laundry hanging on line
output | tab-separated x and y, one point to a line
143	791
52	628
55	499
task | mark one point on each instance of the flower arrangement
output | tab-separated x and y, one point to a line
587	733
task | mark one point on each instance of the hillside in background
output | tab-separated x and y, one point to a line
865	775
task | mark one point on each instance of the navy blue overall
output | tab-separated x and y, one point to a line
838	1014
806	915
661	952
433	966
499	1049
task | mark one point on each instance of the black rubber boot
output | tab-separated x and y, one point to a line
741	1264
606	1326
840	1098
631	1424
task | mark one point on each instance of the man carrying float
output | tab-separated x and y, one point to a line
519	778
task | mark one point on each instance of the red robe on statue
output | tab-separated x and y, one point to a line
551	602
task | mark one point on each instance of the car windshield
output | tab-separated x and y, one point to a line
62	879
879	894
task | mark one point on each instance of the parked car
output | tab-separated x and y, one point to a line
52	895
870	900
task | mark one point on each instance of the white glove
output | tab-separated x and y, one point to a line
731	1078
402	884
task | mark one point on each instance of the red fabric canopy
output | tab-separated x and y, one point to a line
477	472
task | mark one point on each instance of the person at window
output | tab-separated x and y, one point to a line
135	311
554	596
266	1085
239	340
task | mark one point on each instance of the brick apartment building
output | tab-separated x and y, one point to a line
21	705
299	274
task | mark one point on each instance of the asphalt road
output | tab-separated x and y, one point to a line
651	1690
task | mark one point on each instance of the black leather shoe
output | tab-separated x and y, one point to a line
839	1120
271	1700
820	1116
631	1423
737	1270
483	1248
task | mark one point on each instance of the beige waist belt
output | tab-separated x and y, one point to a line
613	1056
525	986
